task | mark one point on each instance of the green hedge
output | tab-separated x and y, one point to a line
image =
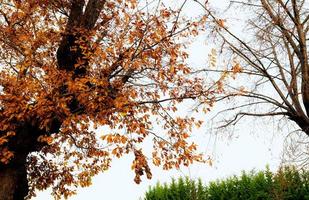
286	183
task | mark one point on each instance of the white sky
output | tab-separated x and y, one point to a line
253	146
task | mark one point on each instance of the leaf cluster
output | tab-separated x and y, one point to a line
69	67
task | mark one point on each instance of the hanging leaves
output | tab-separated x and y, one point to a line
70	67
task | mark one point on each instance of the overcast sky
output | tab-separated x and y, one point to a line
253	145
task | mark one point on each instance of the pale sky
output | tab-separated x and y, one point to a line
254	144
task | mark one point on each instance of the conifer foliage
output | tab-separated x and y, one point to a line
287	183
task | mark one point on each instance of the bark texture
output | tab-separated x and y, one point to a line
13	182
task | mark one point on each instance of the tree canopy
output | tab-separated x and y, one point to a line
286	183
68	67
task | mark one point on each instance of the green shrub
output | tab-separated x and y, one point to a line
286	184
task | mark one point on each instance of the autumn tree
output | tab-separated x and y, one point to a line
270	58
71	66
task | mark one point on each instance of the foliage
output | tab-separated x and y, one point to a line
286	183
71	66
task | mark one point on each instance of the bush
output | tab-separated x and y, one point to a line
286	184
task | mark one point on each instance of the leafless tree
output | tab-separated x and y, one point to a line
272	57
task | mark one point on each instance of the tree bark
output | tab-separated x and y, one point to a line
13	182
302	122
13	176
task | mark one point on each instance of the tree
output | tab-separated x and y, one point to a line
286	183
271	56
71	66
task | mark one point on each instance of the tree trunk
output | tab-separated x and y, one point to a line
302	122
13	182
13	176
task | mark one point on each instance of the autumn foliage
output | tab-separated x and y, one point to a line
69	67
